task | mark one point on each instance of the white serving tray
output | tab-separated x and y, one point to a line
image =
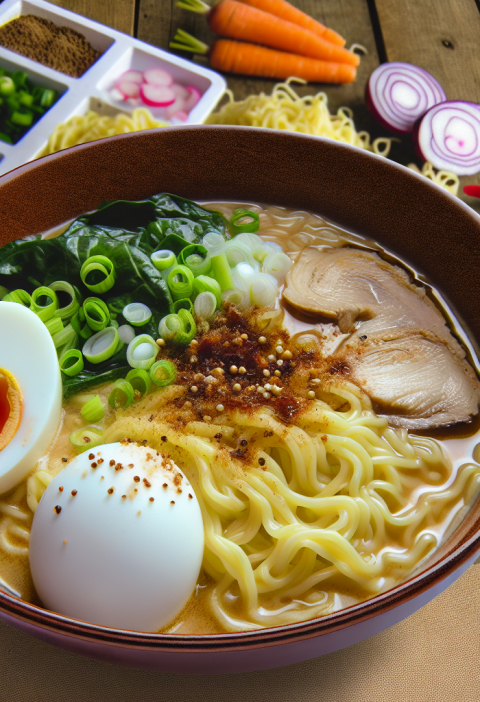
91	91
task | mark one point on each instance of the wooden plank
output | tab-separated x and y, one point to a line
442	37
119	14
158	21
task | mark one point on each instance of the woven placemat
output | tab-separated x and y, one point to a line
433	656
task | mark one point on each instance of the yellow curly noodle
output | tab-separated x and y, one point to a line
92	126
285	109
342	503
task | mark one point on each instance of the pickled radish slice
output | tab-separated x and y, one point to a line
132	77
193	98
176	106
156	95
157	76
400	93
128	89
180	91
181	116
448	135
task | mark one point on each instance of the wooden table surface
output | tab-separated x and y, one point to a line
442	36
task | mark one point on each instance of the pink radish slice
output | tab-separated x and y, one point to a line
132	77
181	115
448	135
174	107
157	76
180	90
128	89
156	95
193	98
399	93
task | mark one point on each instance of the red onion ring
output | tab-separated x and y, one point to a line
448	135
398	94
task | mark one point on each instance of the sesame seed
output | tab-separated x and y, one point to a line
313	373
280	362
278	374
164	438
110	490
262	340
218	371
136	478
193	359
276	389
65	541
243	442
198	376
73	493
315	381
260	389
172	502
242	370
91	456
311	395
152	499
279	349
190	497
194	342
164	485
187	404
207	418
244	336
267	386
220	408
287	355
251	388
124	497
261	461
237	387
267	395
266	373
271	358
112	463
160	342
194	389
233	370
60	489
57	509
64	460
139	512
218	436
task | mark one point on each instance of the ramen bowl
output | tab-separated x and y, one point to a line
404	212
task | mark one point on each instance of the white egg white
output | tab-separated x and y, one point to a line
28	353
117	539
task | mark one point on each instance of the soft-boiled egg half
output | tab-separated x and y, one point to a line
117	539
30	392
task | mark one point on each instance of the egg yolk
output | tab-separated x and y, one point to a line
11	405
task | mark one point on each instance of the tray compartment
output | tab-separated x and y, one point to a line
38	79
138	60
99	41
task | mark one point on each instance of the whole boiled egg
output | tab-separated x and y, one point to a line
30	392
117	539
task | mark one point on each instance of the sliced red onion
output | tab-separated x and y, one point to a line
158	76
156	95
448	136
398	94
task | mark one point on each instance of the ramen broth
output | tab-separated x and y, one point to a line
293	230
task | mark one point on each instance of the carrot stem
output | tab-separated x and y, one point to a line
185	42
194	6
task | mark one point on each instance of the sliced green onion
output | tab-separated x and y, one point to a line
238	252
239	298
196	258
180	281
122	394
97	314
179	328
103	265
137	314
243	275
243	220
277	264
74	304
205	305
163	373
3	291
71	362
263	290
7	86
140	381
183	304
44	311
126	333
142	352
65	340
93	411
256	245
87	438
215	245
203	283
54	325
101	346
164	260
114	323
80	325
20	296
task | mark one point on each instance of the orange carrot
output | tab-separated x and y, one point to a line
286	11
236	20
253	60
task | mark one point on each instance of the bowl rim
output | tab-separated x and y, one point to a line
414	586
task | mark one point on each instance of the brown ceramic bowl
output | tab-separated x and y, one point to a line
423	224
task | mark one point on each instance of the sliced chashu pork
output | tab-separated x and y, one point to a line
403	354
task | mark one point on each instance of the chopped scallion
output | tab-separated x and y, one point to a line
139	380
137	314
164	260
103	265
44	303
87	437
142	352
203	283
183	304
101	346
97	314
93	411
122	394
243	220
71	362
163	373
205	305
179	328
196	258
67	311
20	296
180	282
